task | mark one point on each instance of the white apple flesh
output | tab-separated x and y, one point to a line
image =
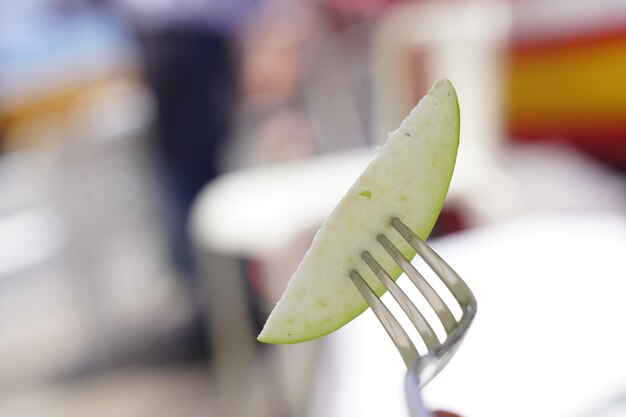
408	179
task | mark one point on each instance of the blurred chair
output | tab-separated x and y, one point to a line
82	270
250	229
416	43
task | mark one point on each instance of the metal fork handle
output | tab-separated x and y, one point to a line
413	397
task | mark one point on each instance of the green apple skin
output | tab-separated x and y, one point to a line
408	179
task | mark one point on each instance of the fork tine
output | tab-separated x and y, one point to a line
453	281
399	337
418	320
441	309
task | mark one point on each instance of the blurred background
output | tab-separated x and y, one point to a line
164	165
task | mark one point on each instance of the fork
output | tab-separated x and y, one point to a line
421	368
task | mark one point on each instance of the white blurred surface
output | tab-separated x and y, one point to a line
547	339
260	210
29	237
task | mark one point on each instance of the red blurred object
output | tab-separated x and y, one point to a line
445	414
362	7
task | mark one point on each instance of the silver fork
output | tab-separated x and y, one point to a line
421	368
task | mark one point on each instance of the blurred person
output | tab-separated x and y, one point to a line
303	83
272	122
191	60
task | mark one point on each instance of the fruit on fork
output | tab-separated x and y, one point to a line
409	179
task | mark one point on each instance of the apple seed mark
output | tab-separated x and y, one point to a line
366	193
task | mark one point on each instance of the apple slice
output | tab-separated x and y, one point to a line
408	179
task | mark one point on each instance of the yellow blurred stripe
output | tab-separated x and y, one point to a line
568	84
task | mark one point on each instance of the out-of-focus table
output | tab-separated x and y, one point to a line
548	338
